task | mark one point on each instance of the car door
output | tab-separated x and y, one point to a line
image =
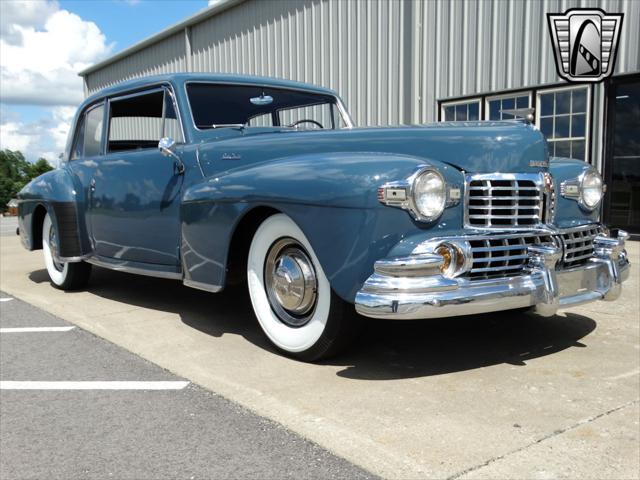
86	149
134	206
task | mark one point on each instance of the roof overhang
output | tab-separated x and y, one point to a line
167	32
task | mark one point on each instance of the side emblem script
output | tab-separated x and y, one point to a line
538	163
231	156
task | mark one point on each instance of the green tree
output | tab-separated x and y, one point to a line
15	173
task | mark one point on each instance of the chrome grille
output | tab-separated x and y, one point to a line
501	255
507	200
578	244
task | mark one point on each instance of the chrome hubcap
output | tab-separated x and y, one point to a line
290	282
53	247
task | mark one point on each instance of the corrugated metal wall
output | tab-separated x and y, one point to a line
166	56
390	60
354	47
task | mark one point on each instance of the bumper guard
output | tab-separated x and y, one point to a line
413	288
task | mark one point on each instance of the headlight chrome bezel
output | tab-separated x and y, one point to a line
574	189
413	195
402	194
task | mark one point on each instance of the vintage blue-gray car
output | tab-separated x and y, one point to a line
217	179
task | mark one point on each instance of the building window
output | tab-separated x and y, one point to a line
461	111
497	107
563	119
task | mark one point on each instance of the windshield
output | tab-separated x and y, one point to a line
219	106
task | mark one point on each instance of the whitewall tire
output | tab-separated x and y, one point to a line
63	275
291	295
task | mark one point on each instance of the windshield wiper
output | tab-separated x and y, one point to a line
228	125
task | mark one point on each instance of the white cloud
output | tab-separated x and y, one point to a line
13	136
42	49
45	137
15	14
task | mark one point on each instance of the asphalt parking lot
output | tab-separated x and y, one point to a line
491	396
73	405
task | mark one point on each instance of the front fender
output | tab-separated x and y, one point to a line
54	192
347	180
332	198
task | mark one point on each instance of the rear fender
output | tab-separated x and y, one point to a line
54	193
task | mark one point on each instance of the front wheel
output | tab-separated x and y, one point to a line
291	296
63	275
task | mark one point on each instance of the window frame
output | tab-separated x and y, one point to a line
587	127
464	101
80	123
502	96
167	89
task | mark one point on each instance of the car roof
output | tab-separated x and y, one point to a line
179	79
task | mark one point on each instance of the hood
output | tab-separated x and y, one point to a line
474	147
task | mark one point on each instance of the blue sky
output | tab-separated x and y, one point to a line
44	43
126	23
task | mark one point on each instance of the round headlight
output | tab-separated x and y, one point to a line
591	190
429	194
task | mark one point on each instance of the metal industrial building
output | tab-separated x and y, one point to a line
411	62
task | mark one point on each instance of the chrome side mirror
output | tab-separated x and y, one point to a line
167	146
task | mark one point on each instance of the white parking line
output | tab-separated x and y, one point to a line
91	385
7	299
35	329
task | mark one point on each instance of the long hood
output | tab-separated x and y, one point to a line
480	147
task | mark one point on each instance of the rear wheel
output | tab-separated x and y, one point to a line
63	275
291	295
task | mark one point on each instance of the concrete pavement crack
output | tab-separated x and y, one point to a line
555	433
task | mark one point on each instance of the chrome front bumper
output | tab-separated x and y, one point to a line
412	287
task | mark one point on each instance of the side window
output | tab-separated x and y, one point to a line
92	131
135	122
78	141
140	121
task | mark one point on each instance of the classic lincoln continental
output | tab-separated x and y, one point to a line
217	179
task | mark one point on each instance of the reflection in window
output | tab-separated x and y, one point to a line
498	107
563	121
461	112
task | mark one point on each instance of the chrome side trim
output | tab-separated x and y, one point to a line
201	286
120	266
